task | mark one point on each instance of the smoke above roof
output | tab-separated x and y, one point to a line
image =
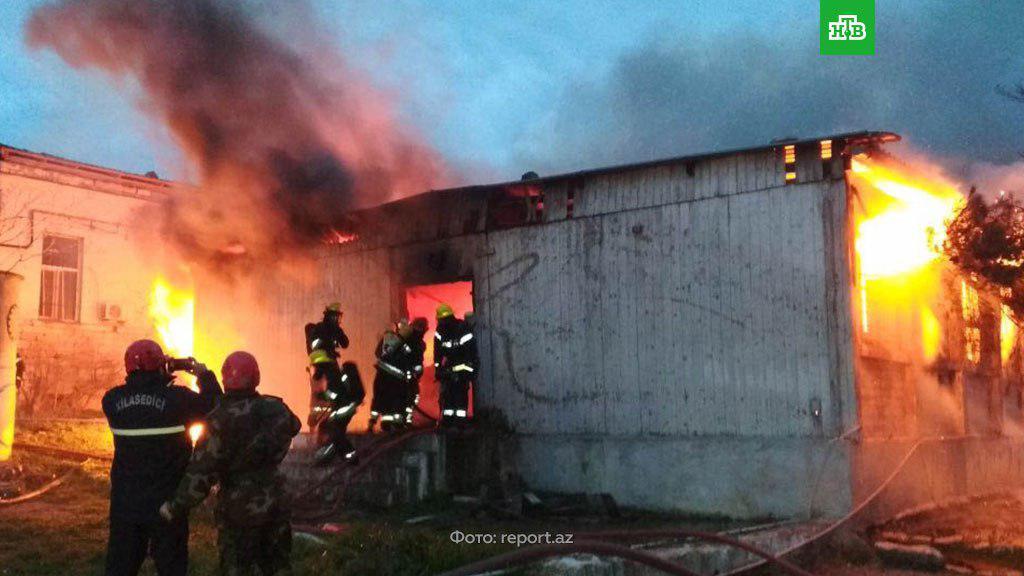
283	142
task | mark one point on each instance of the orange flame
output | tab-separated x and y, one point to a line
907	233
172	311
900	228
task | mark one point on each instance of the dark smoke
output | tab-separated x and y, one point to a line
934	79
283	144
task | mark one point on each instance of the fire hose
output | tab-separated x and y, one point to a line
594	544
376	450
38	492
532	554
838	523
535	553
81	456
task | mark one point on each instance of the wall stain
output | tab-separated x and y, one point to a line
527	262
507	356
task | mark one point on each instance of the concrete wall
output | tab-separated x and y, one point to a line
738	477
69	364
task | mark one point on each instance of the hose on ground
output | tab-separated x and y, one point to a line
363	453
744	570
364	463
525	556
627	535
532	554
38	492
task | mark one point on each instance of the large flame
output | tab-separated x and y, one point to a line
905	233
900	228
172	311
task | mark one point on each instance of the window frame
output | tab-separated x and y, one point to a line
60	272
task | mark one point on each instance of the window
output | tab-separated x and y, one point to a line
62	276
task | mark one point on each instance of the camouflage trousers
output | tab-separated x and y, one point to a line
255	550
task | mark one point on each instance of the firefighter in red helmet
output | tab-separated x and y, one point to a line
149	417
248	435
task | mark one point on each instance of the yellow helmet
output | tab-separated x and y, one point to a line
444	311
333	307
319	357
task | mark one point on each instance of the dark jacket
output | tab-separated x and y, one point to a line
248	435
455	352
326	335
149	417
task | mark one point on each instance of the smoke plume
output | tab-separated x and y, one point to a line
934	79
283	143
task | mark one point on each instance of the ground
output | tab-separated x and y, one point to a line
64	531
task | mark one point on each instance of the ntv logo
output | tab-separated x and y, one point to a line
847	27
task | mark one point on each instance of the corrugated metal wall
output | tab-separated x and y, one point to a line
683	299
700	317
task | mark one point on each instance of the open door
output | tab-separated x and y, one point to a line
423	301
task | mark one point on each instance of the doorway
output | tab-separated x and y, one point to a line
423	301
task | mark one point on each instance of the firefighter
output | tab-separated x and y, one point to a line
455	365
328	337
333	416
395	375
419	349
149	417
248	435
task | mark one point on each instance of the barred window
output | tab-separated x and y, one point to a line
60	285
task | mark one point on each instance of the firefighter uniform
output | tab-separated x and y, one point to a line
327	336
455	365
395	375
149	418
332	412
419	349
248	435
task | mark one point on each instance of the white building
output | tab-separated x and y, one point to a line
691	334
76	233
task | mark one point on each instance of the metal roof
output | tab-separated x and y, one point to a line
861	137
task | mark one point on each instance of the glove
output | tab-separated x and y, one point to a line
165	511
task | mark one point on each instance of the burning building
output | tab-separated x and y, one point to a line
765	331
74	232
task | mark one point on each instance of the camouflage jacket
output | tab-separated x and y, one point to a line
247	436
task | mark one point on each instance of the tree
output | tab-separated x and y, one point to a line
985	240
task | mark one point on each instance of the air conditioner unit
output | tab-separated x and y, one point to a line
110	312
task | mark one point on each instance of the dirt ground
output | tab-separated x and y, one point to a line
64	531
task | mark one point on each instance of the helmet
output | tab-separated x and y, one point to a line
404	329
333	308
319	357
144	355
240	371
419	324
444	311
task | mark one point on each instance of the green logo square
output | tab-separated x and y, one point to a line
847	27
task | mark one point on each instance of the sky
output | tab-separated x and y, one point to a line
502	87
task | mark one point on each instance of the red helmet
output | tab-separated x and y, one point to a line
240	371
144	355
